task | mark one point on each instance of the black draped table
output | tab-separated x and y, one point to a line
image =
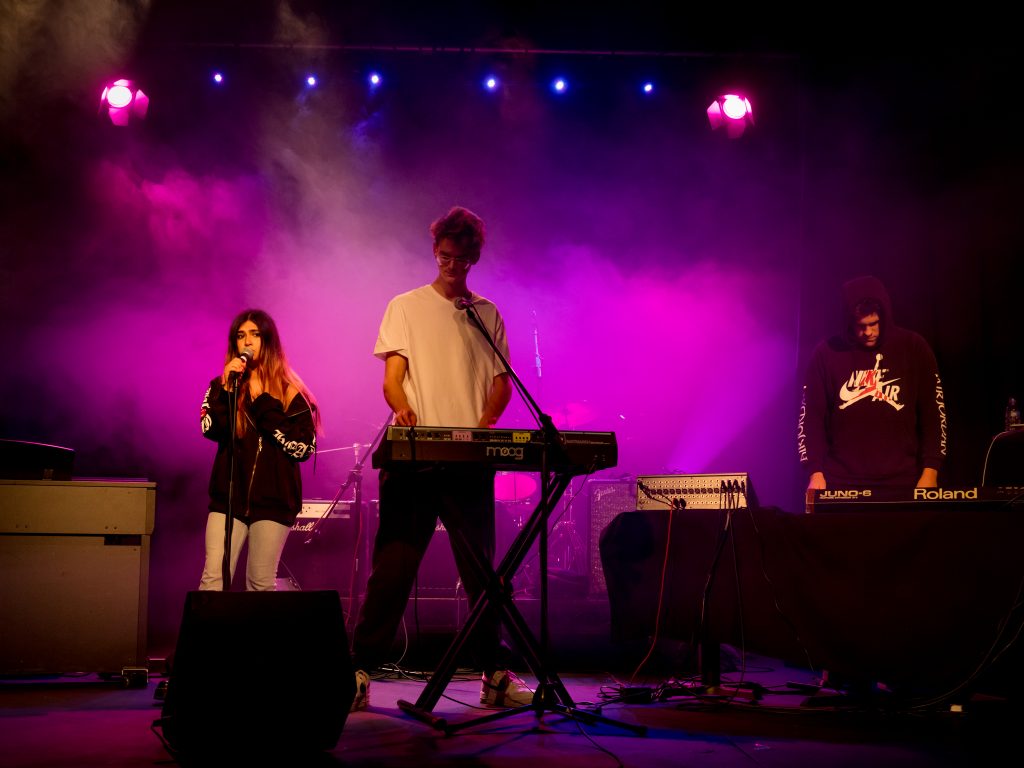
926	599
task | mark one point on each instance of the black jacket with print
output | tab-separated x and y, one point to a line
872	417
268	484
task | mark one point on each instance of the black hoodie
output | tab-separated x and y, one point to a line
268	485
872	417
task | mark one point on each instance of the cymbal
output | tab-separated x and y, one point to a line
574	414
513	486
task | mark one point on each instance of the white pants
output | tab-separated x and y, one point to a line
266	542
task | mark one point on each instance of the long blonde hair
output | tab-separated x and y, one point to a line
277	375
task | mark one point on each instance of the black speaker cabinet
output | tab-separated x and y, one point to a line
256	673
607	498
1004	462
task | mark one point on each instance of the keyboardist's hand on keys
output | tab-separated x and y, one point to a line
929	478
405	417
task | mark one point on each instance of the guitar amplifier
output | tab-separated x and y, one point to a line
607	499
709	491
321	551
317	512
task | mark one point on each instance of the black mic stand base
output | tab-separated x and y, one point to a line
435	722
720	693
710	685
545	699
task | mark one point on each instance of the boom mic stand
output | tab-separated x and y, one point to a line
354	479
550	695
709	649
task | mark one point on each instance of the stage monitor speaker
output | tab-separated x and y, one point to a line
607	498
258	673
22	460
1004	461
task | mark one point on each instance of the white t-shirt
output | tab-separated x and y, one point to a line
451	365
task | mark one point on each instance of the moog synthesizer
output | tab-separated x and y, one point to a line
504	449
909	499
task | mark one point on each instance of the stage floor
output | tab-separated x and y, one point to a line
84	721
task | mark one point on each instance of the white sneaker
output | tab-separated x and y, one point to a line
362	699
504	689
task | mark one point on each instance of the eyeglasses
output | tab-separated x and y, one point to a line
460	261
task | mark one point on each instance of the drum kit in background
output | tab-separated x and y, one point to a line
516	494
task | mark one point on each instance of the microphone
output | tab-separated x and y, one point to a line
536	348
247	355
463	303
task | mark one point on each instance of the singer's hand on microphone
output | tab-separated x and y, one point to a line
236	367
232	371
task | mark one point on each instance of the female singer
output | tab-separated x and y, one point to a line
274	429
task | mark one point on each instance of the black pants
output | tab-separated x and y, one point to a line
410	504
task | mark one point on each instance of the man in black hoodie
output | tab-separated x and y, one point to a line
873	413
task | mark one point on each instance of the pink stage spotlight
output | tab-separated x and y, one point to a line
124	102
732	111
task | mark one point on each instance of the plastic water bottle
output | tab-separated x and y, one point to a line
1012	415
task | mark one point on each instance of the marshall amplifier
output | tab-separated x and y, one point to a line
322	548
316	512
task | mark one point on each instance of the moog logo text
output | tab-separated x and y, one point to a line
505	452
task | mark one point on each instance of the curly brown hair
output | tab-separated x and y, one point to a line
464	228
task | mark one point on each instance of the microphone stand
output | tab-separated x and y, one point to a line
229	520
550	695
709	649
354	479
551	445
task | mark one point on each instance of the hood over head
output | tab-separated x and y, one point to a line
857	290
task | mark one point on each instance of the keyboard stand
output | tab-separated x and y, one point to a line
551	694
